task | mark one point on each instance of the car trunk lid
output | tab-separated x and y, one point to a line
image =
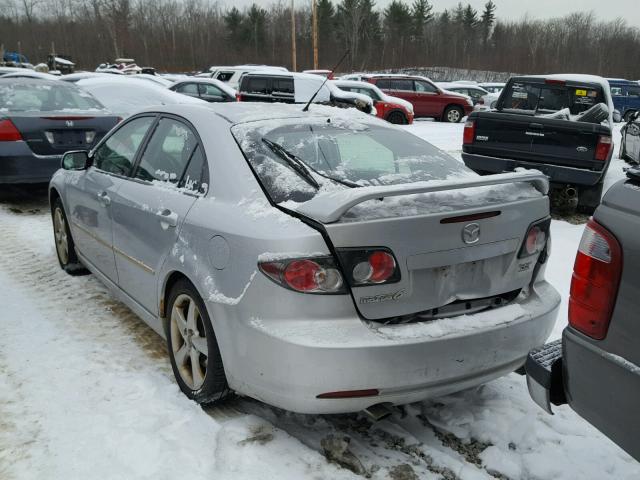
51	133
453	253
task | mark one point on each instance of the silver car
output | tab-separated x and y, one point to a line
321	261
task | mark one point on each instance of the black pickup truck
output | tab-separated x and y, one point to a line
558	124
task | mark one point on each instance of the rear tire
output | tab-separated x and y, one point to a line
589	199
65	246
397	118
452	114
193	348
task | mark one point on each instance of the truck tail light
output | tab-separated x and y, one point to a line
603	148
9	132
469	132
595	281
364	267
305	275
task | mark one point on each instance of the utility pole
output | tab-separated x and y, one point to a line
293	38
314	15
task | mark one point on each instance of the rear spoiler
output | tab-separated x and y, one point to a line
330	207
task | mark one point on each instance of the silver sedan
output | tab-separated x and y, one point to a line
321	261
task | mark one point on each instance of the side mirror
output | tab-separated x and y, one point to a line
616	116
76	160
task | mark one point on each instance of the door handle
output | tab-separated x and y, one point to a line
104	198
167	218
538	126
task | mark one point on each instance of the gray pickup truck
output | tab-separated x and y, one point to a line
595	367
558	124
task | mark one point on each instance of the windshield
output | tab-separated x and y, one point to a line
338	155
550	97
24	97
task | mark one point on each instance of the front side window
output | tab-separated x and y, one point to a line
424	87
167	154
633	92
206	89
338	155
117	153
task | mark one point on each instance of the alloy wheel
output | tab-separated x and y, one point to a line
189	341
453	116
60	235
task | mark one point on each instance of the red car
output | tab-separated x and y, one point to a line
427	99
392	109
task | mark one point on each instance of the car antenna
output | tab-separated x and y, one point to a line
306	107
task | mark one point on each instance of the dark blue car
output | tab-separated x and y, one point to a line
42	119
626	97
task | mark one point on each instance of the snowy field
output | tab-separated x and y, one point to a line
86	392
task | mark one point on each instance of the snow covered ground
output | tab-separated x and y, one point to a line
86	391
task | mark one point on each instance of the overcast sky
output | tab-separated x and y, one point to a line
516	9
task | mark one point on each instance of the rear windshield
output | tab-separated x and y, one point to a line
25	97
550	97
338	154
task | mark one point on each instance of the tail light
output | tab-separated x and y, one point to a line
305	275
9	132
604	146
369	266
238	97
536	239
595	281
469	132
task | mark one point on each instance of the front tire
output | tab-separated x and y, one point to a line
627	116
397	118
65	246
193	349
452	114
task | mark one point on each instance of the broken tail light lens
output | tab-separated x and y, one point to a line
469	132
595	281
305	275
536	238
364	267
9	132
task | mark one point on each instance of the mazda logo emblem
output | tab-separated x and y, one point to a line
471	233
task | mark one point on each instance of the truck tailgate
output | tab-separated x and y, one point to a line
536	139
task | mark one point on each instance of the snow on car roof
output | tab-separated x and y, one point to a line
244	112
208	81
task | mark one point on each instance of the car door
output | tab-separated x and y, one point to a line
427	97
151	206
403	88
89	195
632	138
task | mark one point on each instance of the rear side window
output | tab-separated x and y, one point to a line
283	85
255	85
117	153
384	84
168	152
224	76
196	176
633	92
401	84
189	88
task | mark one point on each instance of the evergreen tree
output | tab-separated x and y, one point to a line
422	13
487	20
